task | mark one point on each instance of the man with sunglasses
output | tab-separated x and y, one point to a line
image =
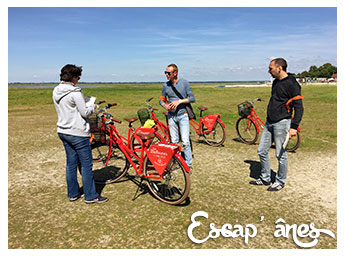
175	105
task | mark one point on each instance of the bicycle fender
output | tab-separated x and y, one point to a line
182	161
209	121
220	121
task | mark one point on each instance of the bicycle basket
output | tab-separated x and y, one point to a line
143	115
95	126
244	109
94	121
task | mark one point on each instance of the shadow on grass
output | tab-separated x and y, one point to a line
255	170
240	141
105	176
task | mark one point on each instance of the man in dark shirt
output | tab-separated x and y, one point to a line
279	123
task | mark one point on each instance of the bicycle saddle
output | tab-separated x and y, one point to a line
202	109
131	120
146	133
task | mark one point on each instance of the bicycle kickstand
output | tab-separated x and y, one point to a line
139	188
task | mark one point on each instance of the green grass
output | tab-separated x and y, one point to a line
318	126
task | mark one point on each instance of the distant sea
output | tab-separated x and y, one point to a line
96	84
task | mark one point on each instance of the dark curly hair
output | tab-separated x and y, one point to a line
69	71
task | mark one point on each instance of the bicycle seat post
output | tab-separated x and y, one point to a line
201	111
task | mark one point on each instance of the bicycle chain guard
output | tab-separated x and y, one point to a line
160	155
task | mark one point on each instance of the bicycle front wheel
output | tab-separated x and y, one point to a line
110	167
246	130
173	186
294	143
216	137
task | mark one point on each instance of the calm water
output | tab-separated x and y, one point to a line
45	86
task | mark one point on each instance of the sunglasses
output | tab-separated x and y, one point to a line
168	73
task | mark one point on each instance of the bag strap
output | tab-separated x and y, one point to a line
175	91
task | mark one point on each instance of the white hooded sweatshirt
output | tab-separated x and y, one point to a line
71	110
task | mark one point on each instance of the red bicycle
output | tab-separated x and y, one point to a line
159	164
249	124
210	127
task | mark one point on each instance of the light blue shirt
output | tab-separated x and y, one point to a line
183	87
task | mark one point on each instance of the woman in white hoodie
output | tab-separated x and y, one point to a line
74	131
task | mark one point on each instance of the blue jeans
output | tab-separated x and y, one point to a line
276	132
181	121
79	148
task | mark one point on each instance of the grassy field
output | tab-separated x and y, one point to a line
40	215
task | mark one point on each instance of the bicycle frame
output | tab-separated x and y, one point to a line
161	126
255	119
208	121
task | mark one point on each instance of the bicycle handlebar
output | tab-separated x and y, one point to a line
147	102
100	102
111	105
116	120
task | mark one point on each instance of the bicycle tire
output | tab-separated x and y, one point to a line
294	143
246	130
218	130
99	151
116	166
174	187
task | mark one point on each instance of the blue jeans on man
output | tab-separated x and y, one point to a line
181	121
78	148
274	132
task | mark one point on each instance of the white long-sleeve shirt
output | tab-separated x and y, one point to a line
71	110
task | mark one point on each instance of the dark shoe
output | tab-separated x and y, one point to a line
73	199
99	199
259	182
276	187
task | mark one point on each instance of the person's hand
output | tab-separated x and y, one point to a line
292	132
166	107
174	104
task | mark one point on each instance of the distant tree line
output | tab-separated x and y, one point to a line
324	71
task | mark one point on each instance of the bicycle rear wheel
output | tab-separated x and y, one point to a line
294	143
246	130
216	137
116	166
174	185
